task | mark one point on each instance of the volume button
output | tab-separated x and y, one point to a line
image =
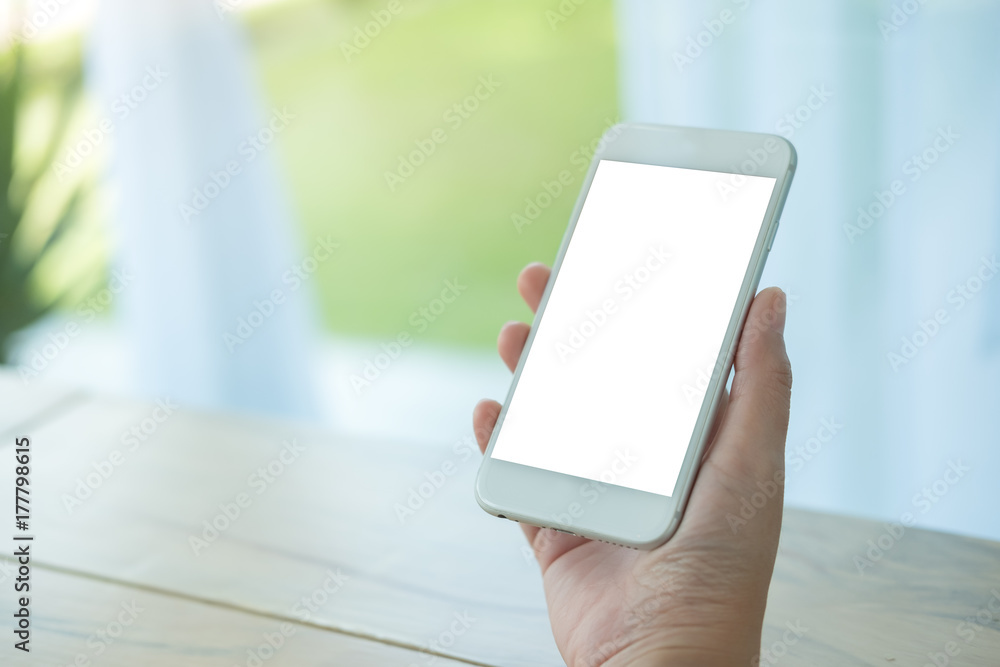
770	238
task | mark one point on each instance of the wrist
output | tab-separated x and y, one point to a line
682	656
715	643
686	623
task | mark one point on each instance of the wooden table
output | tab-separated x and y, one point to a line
129	574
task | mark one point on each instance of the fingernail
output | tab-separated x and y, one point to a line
778	309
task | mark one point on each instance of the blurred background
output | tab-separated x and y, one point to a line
317	209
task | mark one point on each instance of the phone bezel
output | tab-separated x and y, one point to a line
626	516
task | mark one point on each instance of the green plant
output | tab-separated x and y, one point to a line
21	253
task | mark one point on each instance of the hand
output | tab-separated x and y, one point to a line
699	599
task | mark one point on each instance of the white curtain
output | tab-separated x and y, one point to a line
201	265
869	86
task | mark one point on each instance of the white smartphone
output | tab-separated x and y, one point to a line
612	402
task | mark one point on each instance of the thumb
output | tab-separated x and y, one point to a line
751	440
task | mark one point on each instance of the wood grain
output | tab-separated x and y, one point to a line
330	510
80	622
910	603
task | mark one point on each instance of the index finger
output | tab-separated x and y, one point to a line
531	283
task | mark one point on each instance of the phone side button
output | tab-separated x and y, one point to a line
770	237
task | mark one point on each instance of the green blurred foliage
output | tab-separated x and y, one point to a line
40	92
358	109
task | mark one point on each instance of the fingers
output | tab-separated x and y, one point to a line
531	283
756	422
720	417
484	418
511	342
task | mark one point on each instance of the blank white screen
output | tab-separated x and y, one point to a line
602	392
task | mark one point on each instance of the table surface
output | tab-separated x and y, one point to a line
217	540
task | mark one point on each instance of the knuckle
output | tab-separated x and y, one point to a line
781	371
